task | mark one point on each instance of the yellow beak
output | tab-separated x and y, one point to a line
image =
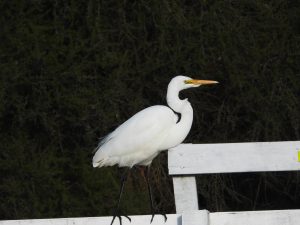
200	82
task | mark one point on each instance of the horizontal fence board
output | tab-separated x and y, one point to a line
173	219
195	217
273	217
234	157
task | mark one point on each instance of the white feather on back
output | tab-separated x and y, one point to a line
137	140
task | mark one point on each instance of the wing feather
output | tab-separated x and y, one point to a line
141	134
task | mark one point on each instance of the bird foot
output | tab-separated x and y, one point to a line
120	218
153	214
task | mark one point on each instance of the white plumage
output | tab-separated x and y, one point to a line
140	139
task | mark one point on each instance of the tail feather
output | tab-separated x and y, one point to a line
99	159
97	164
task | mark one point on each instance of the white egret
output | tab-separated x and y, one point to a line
142	137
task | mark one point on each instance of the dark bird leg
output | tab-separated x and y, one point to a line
147	175
117	208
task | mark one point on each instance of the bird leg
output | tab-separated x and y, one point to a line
147	175
117	208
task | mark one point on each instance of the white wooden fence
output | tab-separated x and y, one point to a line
187	160
199	217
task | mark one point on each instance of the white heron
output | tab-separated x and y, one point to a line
142	137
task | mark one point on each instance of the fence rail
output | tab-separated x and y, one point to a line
187	159
199	217
173	219
272	217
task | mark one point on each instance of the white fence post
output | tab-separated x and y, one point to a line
185	190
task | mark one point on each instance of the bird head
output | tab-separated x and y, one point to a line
183	82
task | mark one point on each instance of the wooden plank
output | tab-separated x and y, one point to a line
195	217
234	157
173	219
185	193
274	217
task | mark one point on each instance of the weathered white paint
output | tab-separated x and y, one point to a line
276	217
233	157
195	217
185	192
173	219
201	217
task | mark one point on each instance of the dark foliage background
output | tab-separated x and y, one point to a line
71	71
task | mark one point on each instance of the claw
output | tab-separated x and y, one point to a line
113	220
152	218
120	219
164	215
128	218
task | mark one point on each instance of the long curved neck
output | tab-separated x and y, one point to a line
181	129
180	106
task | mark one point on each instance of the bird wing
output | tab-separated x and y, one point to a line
145	130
